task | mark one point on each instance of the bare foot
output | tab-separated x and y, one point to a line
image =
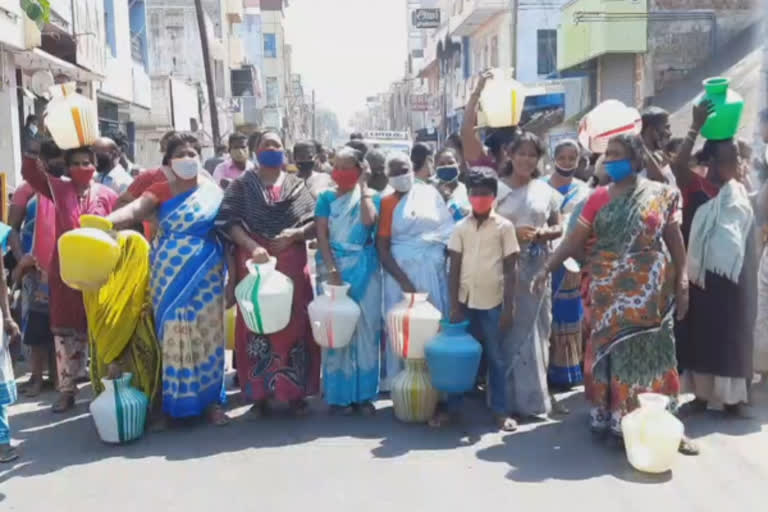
367	409
64	403
299	408
558	408
217	416
34	388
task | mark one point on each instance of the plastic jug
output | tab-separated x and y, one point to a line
120	412
411	324
729	105
453	358
230	321
413	397
605	121
333	316
88	254
265	298
71	117
651	434
501	102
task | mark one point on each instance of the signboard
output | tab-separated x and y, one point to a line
420	102
426	18
385	135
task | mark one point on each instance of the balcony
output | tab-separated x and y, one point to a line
247	110
234	10
473	14
591	28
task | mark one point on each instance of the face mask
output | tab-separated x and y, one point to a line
619	170
239	155
273	158
104	163
346	178
565	173
33	129
82	175
447	173
306	167
402	183
185	168
481	204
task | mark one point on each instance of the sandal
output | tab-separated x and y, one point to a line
8	454
688	447
299	408
217	416
64	403
506	424
558	408
366	409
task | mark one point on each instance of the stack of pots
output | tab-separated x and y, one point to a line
410	325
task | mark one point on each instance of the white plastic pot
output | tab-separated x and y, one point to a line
652	434
265	298
71	117
605	121
120	412
411	324
333	316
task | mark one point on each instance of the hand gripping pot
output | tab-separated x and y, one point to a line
88	254
71	117
411	324
502	101
652	434
265	298
120	412
724	122
333	316
453	358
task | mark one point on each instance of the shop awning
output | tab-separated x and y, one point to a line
36	59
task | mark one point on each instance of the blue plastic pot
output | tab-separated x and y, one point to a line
453	358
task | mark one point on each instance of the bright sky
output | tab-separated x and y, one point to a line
347	49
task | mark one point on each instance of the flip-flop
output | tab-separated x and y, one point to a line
9	455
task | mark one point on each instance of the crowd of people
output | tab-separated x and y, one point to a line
630	271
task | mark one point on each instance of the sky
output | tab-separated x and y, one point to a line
347	49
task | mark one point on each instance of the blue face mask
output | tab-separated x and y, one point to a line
447	173
619	170
273	158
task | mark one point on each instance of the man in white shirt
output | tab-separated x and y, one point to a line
110	172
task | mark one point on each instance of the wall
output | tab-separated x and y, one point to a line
119	81
10	141
684	34
12	26
532	16
616	78
175	43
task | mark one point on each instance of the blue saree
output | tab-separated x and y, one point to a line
187	285
351	374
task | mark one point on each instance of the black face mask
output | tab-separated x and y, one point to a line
104	163
565	173
305	167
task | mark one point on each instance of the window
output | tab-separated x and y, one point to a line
270	46
109	26
494	52
546	51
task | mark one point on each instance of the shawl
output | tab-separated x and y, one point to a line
246	203
719	234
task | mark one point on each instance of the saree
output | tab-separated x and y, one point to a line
284	365
525	345
421	227
565	344
760	355
351	374
187	284
120	324
631	349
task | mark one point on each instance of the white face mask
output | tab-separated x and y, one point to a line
185	168
402	183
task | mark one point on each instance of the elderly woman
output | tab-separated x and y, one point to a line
565	346
345	218
186	284
636	226
61	203
414	228
534	208
268	213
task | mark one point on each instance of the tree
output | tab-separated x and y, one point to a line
38	11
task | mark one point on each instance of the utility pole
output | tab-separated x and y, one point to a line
208	73
314	116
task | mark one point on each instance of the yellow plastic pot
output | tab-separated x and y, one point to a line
88	255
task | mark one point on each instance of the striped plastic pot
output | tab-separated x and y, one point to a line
413	397
120	412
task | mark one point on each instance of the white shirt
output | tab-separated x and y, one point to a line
117	179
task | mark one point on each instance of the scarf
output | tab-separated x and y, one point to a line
719	234
247	203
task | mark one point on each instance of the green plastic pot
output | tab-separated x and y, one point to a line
723	123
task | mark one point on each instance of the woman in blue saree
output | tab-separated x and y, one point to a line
345	219
565	347
186	283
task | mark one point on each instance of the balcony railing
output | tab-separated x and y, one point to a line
474	14
248	110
